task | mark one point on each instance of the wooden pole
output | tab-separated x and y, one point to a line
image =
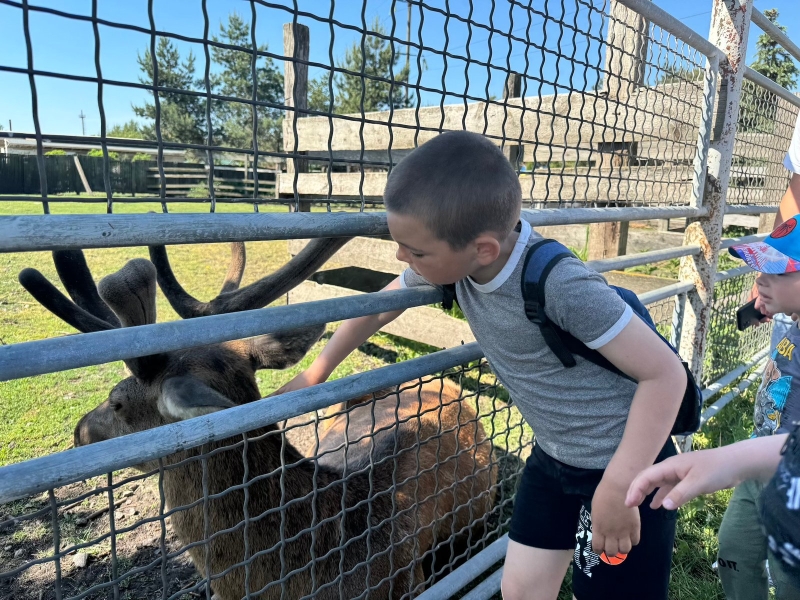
82	175
512	89
295	87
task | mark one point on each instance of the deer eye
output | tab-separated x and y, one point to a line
116	406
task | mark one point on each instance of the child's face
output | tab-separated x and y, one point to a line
427	255
780	293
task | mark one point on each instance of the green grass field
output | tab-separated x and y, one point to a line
39	413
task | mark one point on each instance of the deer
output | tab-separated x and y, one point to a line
356	520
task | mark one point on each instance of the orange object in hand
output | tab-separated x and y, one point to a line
613	560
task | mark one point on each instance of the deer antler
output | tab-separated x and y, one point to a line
255	295
125	298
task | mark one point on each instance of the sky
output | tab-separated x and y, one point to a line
67	46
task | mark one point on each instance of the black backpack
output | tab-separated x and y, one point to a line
540	260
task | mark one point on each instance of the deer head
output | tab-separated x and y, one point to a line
169	387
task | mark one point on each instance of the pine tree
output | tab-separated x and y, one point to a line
182	115
758	107
348	89
235	119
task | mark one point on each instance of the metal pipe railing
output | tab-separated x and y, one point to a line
775	33
670	24
70	352
61	232
468	572
55	470
771	86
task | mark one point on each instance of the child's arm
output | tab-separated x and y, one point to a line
350	335
691	474
641	354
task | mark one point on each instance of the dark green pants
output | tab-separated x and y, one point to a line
743	551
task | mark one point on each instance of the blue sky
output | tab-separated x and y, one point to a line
67	46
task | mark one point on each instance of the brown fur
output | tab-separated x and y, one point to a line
422	471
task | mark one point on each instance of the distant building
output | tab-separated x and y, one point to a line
12	142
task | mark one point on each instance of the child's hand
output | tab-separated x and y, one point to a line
301	381
684	477
615	526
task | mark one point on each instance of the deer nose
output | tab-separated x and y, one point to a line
85	434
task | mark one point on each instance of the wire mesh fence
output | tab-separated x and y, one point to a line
376	497
727	347
766	123
593	105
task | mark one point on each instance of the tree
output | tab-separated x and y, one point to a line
377	62
772	60
182	115
235	119
131	130
758	107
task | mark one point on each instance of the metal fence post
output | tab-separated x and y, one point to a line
730	23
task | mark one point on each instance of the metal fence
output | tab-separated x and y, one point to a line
385	483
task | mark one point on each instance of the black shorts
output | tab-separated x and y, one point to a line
552	510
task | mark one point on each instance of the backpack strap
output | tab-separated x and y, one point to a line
448	296
542	257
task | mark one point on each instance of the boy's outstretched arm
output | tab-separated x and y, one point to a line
350	335
684	477
638	352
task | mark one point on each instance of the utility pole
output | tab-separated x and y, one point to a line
408	49
82	117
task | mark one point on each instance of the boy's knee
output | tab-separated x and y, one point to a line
511	587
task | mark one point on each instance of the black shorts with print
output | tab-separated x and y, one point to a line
552	510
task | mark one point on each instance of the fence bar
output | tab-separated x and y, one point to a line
486	588
468	572
55	470
73	351
667	291
642	258
728	242
771	86
712	410
731	273
704	130
730	22
669	23
732	376
749	209
577	216
61	232
775	33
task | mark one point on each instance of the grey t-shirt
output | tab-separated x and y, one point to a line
577	414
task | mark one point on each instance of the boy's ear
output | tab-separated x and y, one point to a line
487	249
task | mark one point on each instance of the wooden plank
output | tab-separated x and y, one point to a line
423	324
575	120
85	181
630	184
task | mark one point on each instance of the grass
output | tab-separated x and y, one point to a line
39	413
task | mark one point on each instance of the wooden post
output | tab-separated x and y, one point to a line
626	54
82	175
766	221
295	89
512	89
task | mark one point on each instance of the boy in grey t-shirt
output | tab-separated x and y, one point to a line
453	206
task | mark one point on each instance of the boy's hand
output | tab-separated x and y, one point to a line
302	380
684	477
615	526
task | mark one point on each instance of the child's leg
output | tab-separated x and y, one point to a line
533	573
542	532
742	547
784	586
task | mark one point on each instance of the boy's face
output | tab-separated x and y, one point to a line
780	293
427	255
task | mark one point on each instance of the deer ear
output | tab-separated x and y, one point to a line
187	397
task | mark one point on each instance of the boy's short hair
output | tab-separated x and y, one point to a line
460	185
